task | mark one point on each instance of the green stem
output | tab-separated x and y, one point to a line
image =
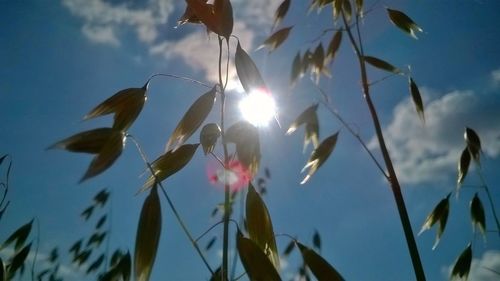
393	180
490	198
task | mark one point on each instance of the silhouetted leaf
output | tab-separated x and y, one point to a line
54	255
477	214
277	38
102	197
473	143
189	16
463	166
310	118
94	266
3	158
170	163
75	248
462	265
281	12
318	60
247	71
192	120
289	248
87	213
267	173
317	240
96	239
255	262
19	236
18	259
319	156
297	69
91	141
148	236
82	257
208	137
40	275
246	138
210	243
381	64
101	222
439	214
108	154
218	17
318	265
121	269
334	45
260	227
126	105
404	22
417	99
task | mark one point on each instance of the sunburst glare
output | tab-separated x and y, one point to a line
258	107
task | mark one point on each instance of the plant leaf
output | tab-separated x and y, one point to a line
170	163
310	118
82	257
277	38
87	213
318	60
208	137
297	69
463	166
210	243
477	215
19	236
260	227
334	45
18	259
101	198
94	266
101	222
318	265
255	262
91	141
359	7
96	238
126	105
473	143
192	120
347	8
148	236
289	248
404	22
462	265
247	71
75	248
281	12
246	137
317	240
439	214
381	64
417	99
319	156
218	17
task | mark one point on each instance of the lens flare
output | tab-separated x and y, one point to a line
258	107
236	175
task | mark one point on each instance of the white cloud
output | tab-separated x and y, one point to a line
495	76
429	153
101	34
484	269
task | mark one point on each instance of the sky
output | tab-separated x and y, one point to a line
61	58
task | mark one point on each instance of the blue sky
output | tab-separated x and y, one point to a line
60	59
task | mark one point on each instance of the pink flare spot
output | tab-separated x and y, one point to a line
236	175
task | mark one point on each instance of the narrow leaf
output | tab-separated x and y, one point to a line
19	236
308	117
417	99
260	227
126	105
255	262
296	72
94	266
101	222
405	23
289	248
75	248
318	60
170	163
477	215
192	120
246	138
87	213
317	240
281	12
210	243
247	71
101	198
96	239
148	236
18	260
208	137
334	45
473	143
347	8
439	214
462	265
381	64
88	142
318	265
463	166
277	38
319	156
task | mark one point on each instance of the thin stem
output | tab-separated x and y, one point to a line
207	231
490	199
181	78
171	204
393	180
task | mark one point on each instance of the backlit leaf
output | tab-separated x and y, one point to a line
192	120
404	22
126	105
281	12
208	137
318	265
255	262
318	60
277	38
319	156
473	143
297	69
306	61
463	166
218	17
334	45
170	163
381	64
347	8
439	214
18	259
462	265
246	137
477	214
91	141
310	119
247	71
417	99
337	8
19	236
148	236
317	240
260	227
359	7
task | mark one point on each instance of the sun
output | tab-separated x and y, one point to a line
258	107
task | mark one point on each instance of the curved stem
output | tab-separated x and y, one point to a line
179	77
393	180
490	199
